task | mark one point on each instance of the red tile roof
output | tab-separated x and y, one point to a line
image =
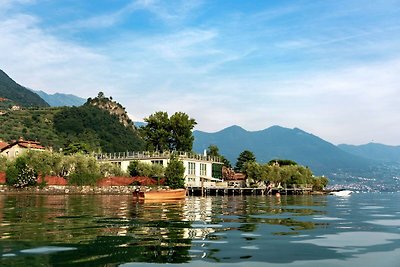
30	144
3	144
21	143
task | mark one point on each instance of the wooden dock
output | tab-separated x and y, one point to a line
238	191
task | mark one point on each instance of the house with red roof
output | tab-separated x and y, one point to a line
16	148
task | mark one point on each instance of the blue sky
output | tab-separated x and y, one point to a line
331	68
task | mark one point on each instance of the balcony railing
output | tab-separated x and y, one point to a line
142	155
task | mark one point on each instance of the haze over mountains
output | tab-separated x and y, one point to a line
60	100
26	97
281	143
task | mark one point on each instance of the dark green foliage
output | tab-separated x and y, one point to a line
74	148
213	151
162	133
136	168
83	178
217	170
319	183
3	163
133	168
11	90
96	127
20	174
181	132
282	162
174	174
244	157
156	132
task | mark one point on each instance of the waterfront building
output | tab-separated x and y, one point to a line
200	170
17	147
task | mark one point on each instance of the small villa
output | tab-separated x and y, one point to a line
198	168
17	147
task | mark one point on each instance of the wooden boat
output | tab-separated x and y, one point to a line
165	194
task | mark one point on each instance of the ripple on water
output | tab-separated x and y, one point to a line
371	207
46	250
395	222
352	240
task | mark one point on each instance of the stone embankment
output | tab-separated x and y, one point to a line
69	189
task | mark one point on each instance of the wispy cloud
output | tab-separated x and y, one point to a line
329	75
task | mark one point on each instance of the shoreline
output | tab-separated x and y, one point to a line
69	190
87	190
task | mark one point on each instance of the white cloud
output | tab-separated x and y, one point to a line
216	75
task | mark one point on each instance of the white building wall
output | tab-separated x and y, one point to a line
190	179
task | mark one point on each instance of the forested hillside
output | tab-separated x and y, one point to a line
22	96
93	128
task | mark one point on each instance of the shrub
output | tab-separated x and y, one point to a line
19	174
83	178
3	163
174	174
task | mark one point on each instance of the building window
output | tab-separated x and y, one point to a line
191	168
159	162
203	169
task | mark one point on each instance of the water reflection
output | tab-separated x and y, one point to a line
101	230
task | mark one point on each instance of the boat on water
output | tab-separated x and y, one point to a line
341	193
161	194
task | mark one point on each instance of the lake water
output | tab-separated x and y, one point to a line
98	230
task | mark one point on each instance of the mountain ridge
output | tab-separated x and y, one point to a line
19	94
60	99
280	142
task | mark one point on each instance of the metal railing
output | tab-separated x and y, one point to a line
141	155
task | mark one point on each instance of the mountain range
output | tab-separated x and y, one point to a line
374	151
19	94
60	100
281	143
25	97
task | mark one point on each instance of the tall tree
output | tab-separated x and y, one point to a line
156	133
181	127
164	133
244	157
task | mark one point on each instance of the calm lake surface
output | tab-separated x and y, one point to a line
98	230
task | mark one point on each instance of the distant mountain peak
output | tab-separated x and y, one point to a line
19	94
60	99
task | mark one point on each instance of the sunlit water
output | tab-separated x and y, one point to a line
360	230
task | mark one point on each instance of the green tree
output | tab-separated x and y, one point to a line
163	133
137	168
181	132
213	151
77	147
133	168
254	172
319	183
156	132
174	173
245	156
